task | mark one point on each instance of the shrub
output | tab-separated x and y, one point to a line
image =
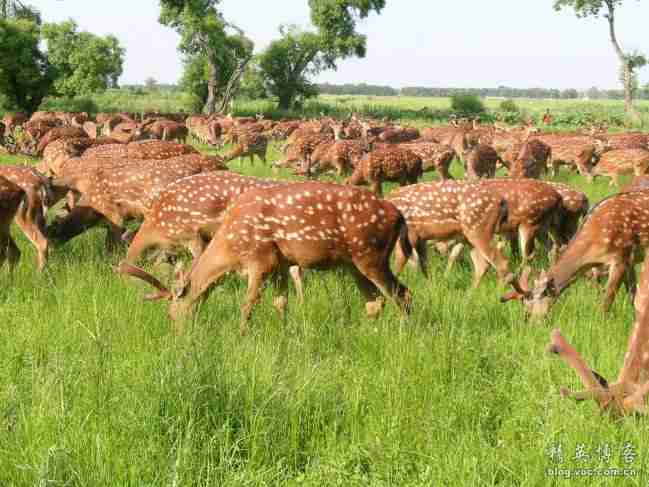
467	104
509	106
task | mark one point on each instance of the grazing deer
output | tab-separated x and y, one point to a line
308	224
481	161
622	161
387	164
574	206
30	216
163	130
341	155
457	211
398	135
609	236
123	192
148	149
11	197
533	207
433	157
531	160
58	133
249	144
188	211
628	395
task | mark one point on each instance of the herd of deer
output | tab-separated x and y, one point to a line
119	169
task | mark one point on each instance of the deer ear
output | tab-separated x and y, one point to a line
511	296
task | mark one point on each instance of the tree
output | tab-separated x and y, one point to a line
150	83
25	74
593	93
207	40
253	85
570	94
83	63
289	62
630	62
16	10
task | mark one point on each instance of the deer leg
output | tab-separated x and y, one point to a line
455	253
383	278
297	274
255	280
400	259
377	188
630	282
31	221
421	254
371	294
526	235
281	290
480	266
616	273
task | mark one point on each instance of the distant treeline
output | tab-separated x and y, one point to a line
501	91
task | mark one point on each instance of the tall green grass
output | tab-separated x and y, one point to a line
97	390
417	111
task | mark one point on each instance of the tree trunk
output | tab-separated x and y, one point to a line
232	86
212	86
627	71
285	101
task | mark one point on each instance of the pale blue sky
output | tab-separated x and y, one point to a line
460	43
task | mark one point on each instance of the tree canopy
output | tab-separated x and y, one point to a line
83	63
630	61
289	62
216	52
25	74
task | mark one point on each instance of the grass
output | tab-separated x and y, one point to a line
97	390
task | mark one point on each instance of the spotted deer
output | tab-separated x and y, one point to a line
30	216
531	160
11	197
613	229
481	161
628	395
617	162
249	144
56	134
164	130
149	149
533	207
456	211
299	152
188	212
310	225
113	195
387	164
434	156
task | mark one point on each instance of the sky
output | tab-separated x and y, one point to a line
463	43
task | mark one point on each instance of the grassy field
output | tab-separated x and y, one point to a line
97	390
416	111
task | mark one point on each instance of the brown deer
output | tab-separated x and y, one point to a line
308	224
481	161
249	144
387	164
434	156
11	197
575	205
453	211
163	130
617	162
113	195
628	395
531	160
30	216
188	212
58	133
609	236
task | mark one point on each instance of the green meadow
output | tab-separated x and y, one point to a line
96	389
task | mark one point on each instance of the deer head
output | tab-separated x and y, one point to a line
537	299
